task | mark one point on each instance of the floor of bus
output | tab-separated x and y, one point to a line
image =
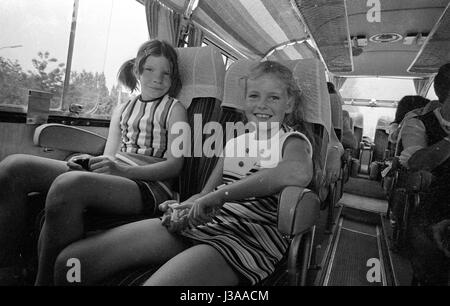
361	232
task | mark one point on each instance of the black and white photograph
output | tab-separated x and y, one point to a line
228	150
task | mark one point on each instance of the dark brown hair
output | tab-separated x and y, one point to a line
130	71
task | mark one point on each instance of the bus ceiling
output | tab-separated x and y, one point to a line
406	38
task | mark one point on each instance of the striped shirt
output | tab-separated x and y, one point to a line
145	125
245	232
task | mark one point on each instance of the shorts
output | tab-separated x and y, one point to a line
152	194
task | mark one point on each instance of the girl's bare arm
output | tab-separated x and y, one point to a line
295	169
114	134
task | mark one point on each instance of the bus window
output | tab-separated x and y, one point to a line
33	48
386	89
431	94
34	52
371	116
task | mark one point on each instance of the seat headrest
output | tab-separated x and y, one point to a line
234	95
383	123
310	76
358	120
336	111
202	73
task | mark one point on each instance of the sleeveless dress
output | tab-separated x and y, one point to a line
144	140
245	232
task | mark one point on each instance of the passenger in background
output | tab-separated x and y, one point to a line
405	105
231	235
426	142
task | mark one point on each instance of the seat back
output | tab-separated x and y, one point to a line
381	138
407	187
315	110
336	114
348	138
358	126
202	75
234	96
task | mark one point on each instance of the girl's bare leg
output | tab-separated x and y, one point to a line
139	243
19	175
68	197
200	265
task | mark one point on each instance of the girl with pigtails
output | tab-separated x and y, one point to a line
133	176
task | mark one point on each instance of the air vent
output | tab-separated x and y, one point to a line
386	38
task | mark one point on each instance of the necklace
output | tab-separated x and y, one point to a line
150	100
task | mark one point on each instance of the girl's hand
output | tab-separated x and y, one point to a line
174	219
106	165
203	209
73	165
164	206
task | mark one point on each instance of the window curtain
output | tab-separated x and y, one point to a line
423	85
338	82
162	22
195	36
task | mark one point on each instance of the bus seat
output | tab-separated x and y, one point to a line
381	138
316	112
348	138
234	96
358	126
336	114
202	74
337	121
405	189
405	196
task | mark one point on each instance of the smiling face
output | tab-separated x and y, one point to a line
267	101
155	79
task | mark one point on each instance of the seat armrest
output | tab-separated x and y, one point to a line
298	210
69	138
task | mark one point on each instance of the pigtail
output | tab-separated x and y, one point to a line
126	75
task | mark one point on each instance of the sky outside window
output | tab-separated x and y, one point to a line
108	33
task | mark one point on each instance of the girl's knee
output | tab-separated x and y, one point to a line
66	191
13	165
